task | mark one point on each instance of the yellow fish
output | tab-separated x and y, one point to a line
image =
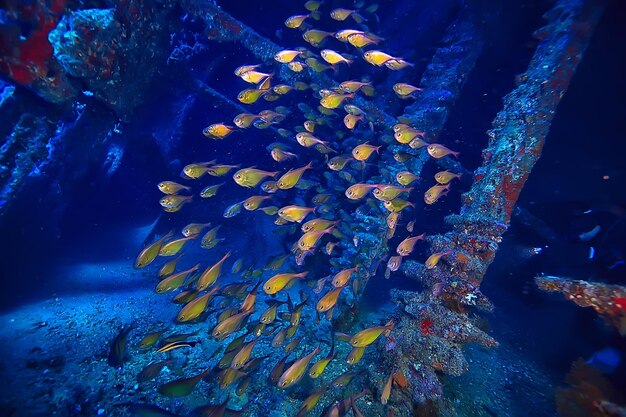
175	281
307	140
309	126
404	90
355	355
173	201
333	57
217	131
173	247
291	177
444	177
269	187
316	37
329	300
194	229
196	170
342	14
316	65
350	120
434	259
269	210
251	95
269	315
318	367
150	252
171	187
386	192
360	40
321	198
397	64
439	151
338	162
318	224
377	58
364	151
406	178
295	213
397	205
244	120
295	372
310	239
242	357
358	191
406	246
312	5
210	191
229	325
407	134
435	192
343	35
250	177
286	56
168	268
248	302
310	402
253	203
368	336
239	71
294	22
417	143
195	307
280	281
210	236
255	77
334	100
352	86
342	277
210	275
220	170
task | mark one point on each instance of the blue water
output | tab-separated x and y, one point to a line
80	201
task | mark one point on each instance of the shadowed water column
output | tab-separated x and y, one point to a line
436	319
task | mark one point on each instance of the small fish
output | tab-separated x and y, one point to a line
406	134
152	370
175	281
353	86
230	325
402	157
280	155
310	402
291	177
384	396
279	368
210	275
253	203
312	5
444	177
296	371
318	224
333	57
359	191
150	339
385	192
174	202
338	163
243	386
239	71
255	77
329	248
355	355
377	58
220	170
329	300
210	237
342	277
404	90
269	187
179	337
406	178
316	37
364	151
195	170
182	387
406	246
244	120
195	307
218	131
280	281
171	187
343	35
251	95
235	344
295	213
242	357
286	56
342	14
172	248
294	22
250	177
394	263
150	252
248	302
351	120
435	192
439	151
417	143
360	40
434	259
334	100
368	336
397	64
397	205
343	380
316	65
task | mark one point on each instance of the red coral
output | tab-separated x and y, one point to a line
427	327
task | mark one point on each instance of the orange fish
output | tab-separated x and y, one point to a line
434	259
406	246
435	192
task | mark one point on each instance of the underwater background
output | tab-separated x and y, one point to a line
465	160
